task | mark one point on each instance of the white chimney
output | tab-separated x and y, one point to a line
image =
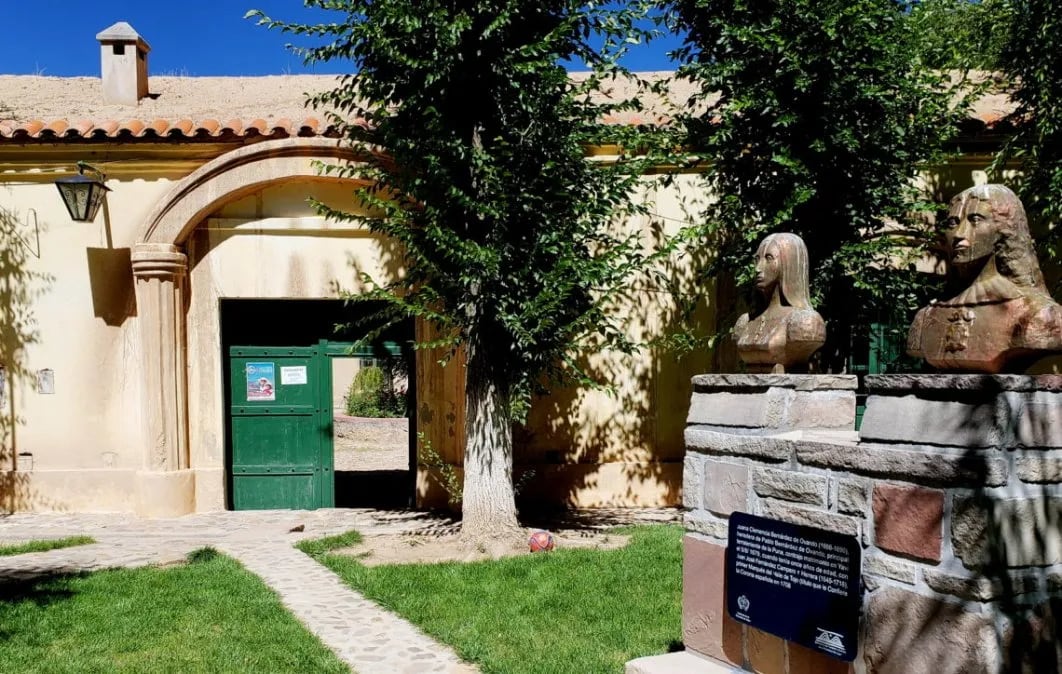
123	64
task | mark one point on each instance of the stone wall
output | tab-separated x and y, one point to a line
953	487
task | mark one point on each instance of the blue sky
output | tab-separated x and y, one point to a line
189	37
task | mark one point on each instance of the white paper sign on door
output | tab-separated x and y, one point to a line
290	376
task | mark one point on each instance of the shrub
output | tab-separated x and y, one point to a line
372	394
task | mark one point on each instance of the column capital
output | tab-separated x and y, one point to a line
155	260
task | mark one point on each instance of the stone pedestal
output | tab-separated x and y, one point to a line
741	435
953	488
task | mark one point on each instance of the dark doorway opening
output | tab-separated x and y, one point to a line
374	449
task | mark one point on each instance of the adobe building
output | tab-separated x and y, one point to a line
132	391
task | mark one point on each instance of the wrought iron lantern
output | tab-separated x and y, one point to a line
82	194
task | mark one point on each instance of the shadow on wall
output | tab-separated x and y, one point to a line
20	286
111	279
1000	596
635	433
637	428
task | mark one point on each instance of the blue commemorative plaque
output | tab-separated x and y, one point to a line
799	583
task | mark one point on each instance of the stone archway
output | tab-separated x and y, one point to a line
166	481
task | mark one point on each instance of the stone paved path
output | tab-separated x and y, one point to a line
365	636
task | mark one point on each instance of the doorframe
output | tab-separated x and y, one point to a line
330	349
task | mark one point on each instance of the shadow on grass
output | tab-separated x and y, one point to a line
42	590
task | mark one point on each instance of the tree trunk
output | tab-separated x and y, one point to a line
488	511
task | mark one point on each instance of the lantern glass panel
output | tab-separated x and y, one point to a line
82	196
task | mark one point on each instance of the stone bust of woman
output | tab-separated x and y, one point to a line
782	331
998	316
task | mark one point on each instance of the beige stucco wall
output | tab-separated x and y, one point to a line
272	245
85	438
584	447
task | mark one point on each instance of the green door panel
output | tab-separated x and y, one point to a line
269	492
275	442
280	426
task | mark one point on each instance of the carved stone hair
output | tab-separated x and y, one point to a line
793	267
1015	252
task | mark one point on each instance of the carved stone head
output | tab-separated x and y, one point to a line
782	331
782	261
998	315
986	221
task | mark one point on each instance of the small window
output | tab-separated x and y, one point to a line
119	49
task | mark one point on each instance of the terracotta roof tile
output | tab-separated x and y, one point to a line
51	109
36	129
182	127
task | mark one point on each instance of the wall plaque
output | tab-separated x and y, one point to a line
796	582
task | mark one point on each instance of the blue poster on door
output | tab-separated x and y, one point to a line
261	381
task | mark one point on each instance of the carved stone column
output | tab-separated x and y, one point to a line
166	483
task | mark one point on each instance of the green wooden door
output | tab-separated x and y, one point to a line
280	429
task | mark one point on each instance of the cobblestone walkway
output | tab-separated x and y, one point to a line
368	638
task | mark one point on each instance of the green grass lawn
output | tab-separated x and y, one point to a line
210	615
45	545
563	612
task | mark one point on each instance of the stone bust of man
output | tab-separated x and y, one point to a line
998	316
782	331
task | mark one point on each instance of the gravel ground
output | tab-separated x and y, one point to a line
363	444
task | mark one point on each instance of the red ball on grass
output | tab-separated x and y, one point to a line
541	541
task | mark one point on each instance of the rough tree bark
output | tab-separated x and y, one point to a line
488	510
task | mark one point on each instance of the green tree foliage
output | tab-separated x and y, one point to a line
815	117
372	394
962	34
1032	60
482	177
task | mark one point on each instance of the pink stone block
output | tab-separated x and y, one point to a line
706	626
907	520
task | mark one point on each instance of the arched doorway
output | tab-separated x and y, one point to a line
210	240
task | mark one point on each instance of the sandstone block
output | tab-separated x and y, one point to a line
1014	532
797	382
946	423
806	661
790	486
986	384
909	633
692	481
851	497
890	567
766	652
760	447
978	588
707	628
705	523
1039	470
907	520
1040	424
834	410
787	512
726	487
918	464
746	410
1030	640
